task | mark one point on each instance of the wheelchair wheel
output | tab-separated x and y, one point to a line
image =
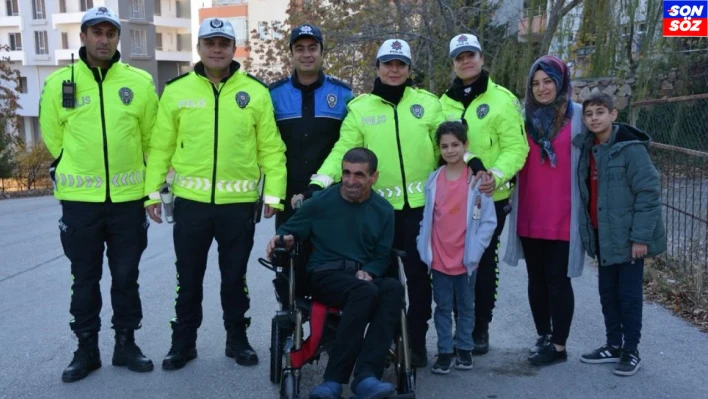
289	386
277	341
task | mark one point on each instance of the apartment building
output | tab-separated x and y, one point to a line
42	35
245	15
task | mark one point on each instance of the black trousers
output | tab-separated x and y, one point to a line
196	225
485	290
85	229
550	291
377	304
420	292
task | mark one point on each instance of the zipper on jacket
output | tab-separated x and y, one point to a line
105	138
400	155
216	139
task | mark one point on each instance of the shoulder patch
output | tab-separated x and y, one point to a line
257	80
176	78
278	83
339	82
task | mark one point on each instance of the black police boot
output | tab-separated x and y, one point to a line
237	346
178	356
480	338
87	358
128	354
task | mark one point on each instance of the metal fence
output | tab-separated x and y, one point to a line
679	130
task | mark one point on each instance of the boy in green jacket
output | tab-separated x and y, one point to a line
621	224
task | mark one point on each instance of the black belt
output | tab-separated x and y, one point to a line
348	266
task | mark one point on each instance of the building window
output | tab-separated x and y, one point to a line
137	9
12	8
85	5
263	30
158	40
276	26
41	46
34	121
22	85
158	7
15	41
62	6
139	38
64	40
241	27
38	10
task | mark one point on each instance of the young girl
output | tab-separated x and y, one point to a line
458	224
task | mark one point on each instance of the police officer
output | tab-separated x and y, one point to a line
493	116
215	127
397	122
96	118
309	109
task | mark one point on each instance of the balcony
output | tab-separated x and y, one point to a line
11	22
65	55
172	22
181	56
18	55
532	29
66	18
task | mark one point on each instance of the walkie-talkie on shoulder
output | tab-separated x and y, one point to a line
68	89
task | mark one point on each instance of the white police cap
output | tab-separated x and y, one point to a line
464	42
394	49
97	15
215	27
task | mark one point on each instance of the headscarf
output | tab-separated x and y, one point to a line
544	122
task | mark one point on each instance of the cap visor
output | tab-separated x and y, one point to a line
459	50
92	22
391	57
306	36
217	34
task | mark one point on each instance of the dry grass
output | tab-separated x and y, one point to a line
684	295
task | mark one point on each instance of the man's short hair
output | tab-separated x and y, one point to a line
362	155
600	99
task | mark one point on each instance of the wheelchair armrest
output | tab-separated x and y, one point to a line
398	253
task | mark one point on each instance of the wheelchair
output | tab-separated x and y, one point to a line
290	350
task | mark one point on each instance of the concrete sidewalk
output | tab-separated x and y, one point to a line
36	343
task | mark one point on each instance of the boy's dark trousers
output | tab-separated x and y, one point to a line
621	295
407	227
85	228
196	225
377	304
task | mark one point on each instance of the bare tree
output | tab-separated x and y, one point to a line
557	9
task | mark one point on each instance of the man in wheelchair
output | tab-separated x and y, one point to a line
351	229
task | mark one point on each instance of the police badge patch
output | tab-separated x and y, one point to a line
482	111
417	110
126	95
242	99
331	100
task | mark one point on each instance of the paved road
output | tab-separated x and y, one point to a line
36	344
